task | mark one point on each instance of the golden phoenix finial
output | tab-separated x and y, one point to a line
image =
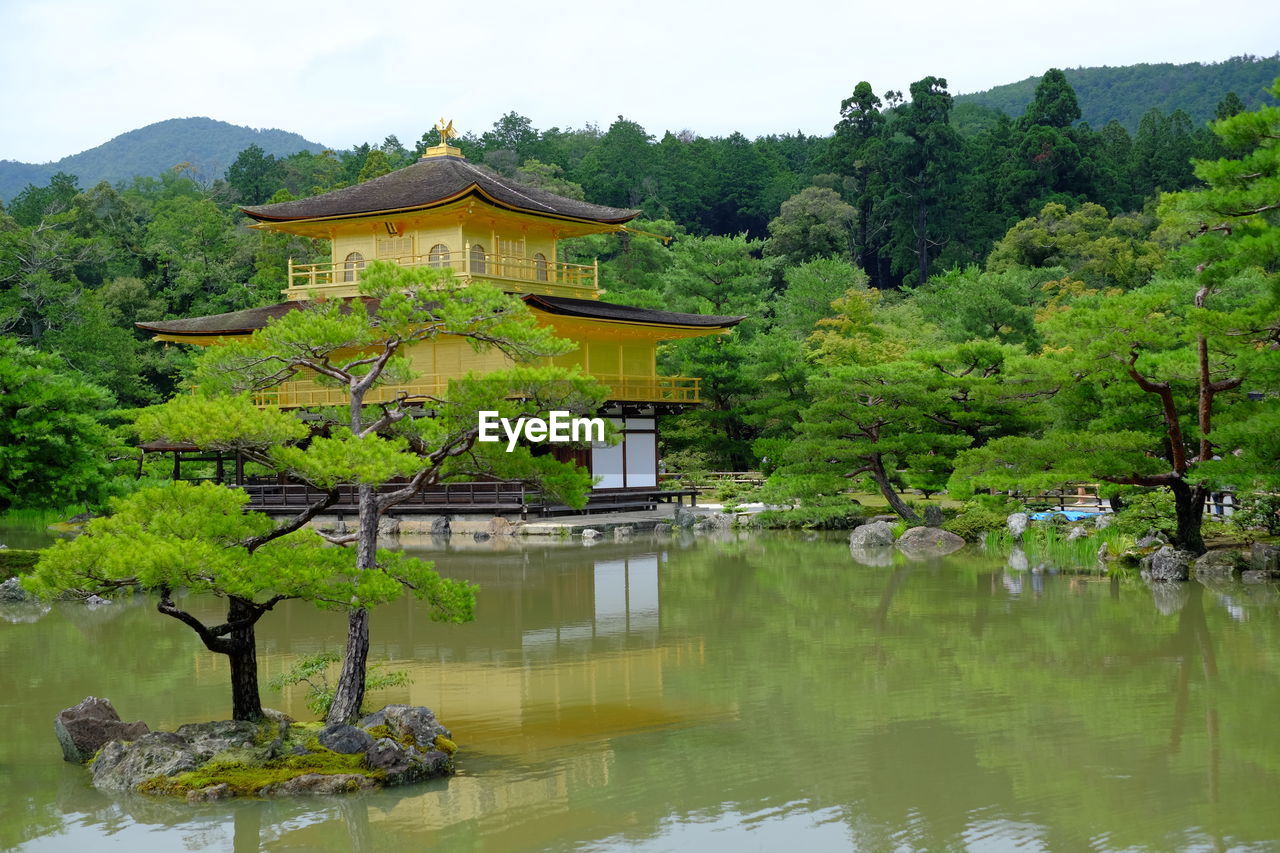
446	131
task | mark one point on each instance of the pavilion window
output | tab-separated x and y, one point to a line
352	266
477	259
438	257
540	266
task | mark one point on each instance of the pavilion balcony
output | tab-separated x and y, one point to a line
511	272
631	389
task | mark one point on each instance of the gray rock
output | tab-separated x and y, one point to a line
94	601
211	794
481	536
405	764
1265	558
209	739
410	724
662	529
441	526
1103	552
124	766
1017	560
319	783
499	526
85	728
1017	524
929	541
1154	539
1220	564
623	532
345	739
1255	576
1077	532
589	534
723	520
11	592
933	515
1167	564
1102	522
684	517
876	534
388	526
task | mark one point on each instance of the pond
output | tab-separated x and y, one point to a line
759	692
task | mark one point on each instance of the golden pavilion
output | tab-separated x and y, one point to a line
444	212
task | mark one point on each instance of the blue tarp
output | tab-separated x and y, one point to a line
1068	514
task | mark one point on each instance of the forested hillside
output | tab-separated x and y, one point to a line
1126	93
1034	301
206	145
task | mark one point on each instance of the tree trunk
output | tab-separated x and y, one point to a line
246	704
922	241
878	474
1188	502
349	695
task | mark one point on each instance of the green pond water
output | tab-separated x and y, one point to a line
757	693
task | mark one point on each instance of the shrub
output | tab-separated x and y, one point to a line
1145	512
314	671
974	521
1256	512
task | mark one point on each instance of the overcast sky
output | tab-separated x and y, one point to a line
79	72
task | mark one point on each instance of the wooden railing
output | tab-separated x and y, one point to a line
494	496
710	480
658	389
540	275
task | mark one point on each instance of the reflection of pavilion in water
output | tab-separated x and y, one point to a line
568	653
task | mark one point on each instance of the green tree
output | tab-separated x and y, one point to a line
813	223
1054	103
968	304
376	164
1104	251
924	156
198	538
53	445
902	421
255	176
361	446
810	289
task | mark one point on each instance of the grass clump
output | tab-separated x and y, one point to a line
974	521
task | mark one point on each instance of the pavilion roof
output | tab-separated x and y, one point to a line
250	320
434	182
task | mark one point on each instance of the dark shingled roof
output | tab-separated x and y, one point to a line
591	309
232	322
243	322
431	182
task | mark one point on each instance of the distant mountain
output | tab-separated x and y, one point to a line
208	145
1125	92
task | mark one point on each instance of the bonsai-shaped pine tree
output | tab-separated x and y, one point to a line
358	347
179	536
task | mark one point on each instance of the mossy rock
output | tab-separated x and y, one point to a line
280	757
